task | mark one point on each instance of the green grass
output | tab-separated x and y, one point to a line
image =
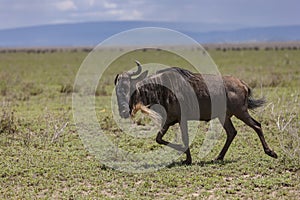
42	155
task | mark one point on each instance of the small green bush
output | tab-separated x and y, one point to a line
8	121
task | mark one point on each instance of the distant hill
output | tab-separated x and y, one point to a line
260	34
92	33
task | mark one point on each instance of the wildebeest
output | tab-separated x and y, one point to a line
143	92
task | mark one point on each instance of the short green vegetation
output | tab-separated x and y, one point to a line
43	157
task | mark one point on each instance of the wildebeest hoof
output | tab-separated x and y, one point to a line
271	153
187	162
218	159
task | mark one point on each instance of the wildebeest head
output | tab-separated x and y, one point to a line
125	86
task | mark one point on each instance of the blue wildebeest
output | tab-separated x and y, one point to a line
168	86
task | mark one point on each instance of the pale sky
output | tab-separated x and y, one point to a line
22	13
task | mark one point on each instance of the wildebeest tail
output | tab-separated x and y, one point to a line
254	103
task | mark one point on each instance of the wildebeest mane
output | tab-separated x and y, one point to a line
184	72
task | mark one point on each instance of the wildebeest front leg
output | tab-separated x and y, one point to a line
185	139
177	147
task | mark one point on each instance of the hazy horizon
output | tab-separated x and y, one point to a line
236	13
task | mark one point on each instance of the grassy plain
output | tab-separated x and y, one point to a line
42	155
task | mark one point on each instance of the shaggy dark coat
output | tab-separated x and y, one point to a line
174	88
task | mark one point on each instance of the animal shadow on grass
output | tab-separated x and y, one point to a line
180	164
203	163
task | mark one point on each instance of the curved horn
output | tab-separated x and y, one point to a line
139	70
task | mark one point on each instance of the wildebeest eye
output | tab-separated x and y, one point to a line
116	79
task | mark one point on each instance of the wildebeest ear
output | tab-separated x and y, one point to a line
116	79
140	77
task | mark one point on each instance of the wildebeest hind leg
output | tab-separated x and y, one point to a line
231	133
247	119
